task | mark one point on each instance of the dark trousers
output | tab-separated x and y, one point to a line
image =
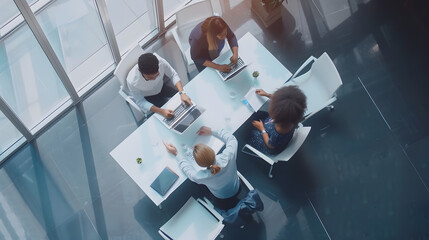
161	98
223	204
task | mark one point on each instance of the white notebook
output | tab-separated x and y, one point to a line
253	100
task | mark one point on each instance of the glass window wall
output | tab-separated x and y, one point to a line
73	28
171	7
132	20
9	135
29	84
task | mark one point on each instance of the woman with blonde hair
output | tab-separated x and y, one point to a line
220	171
207	40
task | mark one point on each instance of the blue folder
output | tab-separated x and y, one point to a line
164	181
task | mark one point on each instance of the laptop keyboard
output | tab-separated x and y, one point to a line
177	113
234	68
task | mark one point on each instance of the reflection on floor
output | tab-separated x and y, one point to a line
361	174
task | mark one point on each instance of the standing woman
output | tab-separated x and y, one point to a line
207	40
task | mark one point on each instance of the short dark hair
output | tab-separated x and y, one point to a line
287	106
148	63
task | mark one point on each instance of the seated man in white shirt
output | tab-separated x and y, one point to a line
147	84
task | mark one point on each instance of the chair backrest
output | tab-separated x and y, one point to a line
324	69
124	66
245	182
295	143
195	220
194	13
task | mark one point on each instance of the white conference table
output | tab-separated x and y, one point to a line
222	111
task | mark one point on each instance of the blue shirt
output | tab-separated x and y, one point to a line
200	47
277	140
225	183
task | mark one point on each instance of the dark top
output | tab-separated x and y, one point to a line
200	47
277	140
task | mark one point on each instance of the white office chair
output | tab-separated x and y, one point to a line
319	84
295	143
197	219
186	19
128	61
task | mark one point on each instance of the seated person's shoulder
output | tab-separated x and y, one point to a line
133	75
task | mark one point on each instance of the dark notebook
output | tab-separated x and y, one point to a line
164	181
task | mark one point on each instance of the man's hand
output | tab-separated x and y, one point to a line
258	125
170	148
224	68
261	92
204	131
185	99
233	60
167	113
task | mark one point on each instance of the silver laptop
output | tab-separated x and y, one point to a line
183	117
235	69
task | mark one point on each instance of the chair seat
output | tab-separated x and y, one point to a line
195	220
295	143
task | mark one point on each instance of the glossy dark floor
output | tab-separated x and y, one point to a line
361	174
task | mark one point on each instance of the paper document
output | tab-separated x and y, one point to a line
254	100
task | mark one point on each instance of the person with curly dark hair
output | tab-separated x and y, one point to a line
275	129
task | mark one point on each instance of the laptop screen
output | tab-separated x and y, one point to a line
189	118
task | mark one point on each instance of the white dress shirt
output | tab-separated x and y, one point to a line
141	88
225	183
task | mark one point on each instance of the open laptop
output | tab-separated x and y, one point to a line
235	69
184	116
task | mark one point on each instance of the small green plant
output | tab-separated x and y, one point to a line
255	74
139	160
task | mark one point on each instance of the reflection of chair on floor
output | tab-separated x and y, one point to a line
319	84
295	143
128	61
198	219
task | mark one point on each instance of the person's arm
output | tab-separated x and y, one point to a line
260	126
266	140
234	57
167	113
184	161
140	100
230	148
261	92
183	96
233	43
222	68
146	106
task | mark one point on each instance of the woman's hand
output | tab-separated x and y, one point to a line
258	125
204	131
170	148
233	59
261	92
224	68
